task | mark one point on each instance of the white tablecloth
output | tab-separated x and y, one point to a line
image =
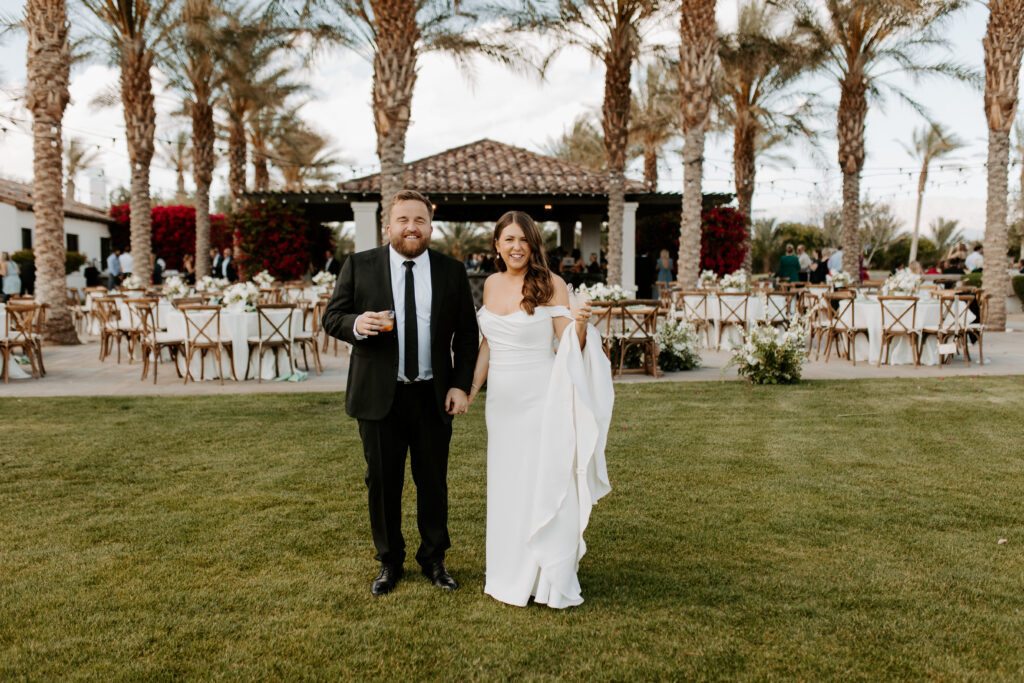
237	327
756	307
868	313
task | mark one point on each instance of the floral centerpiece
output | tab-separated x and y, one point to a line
263	278
325	279
707	279
602	292
735	281
903	282
838	278
240	296
175	287
770	355
133	282
210	284
677	346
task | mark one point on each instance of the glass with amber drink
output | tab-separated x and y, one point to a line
388	321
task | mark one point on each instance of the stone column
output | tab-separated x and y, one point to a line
629	247
567	235
590	235
367	232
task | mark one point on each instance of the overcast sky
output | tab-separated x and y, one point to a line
449	110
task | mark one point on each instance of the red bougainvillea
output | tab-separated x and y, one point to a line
722	239
277	238
173	231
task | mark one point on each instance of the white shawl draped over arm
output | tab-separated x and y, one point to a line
572	475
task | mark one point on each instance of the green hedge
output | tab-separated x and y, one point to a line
1018	287
72	259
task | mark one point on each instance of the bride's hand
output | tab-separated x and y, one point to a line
583	315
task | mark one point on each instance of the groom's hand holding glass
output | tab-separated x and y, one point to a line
373	323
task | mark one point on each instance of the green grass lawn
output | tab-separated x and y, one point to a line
828	530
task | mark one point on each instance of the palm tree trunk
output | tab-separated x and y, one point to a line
140	125
394	77
995	278
236	160
179	193
743	160
616	199
69	189
853	110
690	231
921	182
203	135
618	65
260	172
849	241
651	169
47	62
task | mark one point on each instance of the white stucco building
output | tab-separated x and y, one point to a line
86	228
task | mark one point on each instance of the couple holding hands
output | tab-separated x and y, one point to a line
420	353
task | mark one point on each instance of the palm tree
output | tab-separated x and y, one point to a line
247	43
178	154
46	96
1018	133
929	143
764	240
1004	46
192	72
303	155
461	239
758	66
581	143
947	233
878	229
77	158
393	34
134	30
697	50
862	44
654	118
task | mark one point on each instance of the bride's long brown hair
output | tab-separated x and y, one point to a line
537	289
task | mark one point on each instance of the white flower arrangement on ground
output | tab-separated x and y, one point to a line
240	295
602	292
175	287
325	279
770	355
211	284
707	279
734	280
838	278
133	282
677	346
903	282
263	278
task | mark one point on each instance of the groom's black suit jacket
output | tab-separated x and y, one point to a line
365	285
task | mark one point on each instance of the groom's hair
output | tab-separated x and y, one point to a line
411	195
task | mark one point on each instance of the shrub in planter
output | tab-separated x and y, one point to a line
72	259
771	355
277	238
677	346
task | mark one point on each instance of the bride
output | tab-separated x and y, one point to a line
547	420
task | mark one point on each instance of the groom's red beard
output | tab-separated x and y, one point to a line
399	244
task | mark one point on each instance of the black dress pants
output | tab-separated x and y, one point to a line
412	425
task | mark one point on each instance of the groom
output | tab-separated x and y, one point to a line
407	376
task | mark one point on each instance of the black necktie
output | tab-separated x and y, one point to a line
412	347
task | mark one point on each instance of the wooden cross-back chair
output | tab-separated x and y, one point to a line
842	325
899	318
732	312
19	320
637	326
778	307
308	336
108	315
273	333
151	340
692	306
954	315
203	334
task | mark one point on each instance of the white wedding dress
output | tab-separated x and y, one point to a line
547	423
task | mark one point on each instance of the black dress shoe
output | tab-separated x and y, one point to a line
386	579
439	576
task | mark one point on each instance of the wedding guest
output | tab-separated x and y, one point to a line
974	262
215	259
157	266
935	269
594	267
331	265
643	266
228	271
126	264
789	265
819	269
188	265
9	276
835	261
28	279
92	274
915	267
567	263
665	267
113	269
805	262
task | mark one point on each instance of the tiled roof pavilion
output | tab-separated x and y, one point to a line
484	179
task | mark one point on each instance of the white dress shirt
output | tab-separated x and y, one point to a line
974	260
835	261
126	262
424	297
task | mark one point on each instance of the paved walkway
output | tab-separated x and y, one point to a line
77	371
